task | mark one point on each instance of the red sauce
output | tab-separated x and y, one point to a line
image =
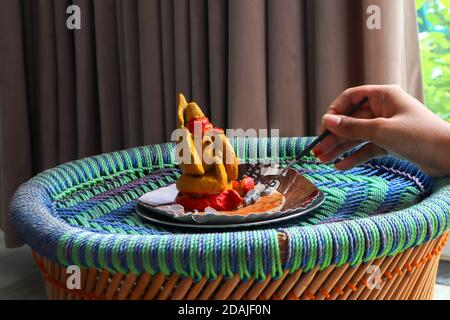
225	201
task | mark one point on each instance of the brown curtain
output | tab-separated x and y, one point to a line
113	84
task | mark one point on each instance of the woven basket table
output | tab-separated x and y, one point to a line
378	235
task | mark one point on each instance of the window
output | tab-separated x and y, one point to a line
434	35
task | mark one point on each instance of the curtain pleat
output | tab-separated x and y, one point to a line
247	76
218	60
198	47
168	63
335	48
66	85
412	68
109	77
286	100
88	116
152	84
394	47
131	73
113	84
15	143
45	112
182	43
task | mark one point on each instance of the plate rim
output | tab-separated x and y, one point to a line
318	201
261	216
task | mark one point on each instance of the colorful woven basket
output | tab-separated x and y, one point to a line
384	220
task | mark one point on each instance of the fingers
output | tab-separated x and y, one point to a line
327	144
379	96
367	152
338	151
332	141
369	123
350	128
362	113
348	98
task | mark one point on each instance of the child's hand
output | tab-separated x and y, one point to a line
393	122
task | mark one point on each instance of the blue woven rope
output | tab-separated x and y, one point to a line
82	213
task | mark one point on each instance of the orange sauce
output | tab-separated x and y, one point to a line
272	202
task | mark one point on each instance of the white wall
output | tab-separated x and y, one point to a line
446	252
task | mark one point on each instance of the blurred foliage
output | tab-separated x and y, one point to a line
434	28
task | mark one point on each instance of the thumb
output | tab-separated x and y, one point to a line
350	128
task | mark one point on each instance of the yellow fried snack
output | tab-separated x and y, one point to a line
207	171
195	166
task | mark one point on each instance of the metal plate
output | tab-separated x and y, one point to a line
300	196
156	219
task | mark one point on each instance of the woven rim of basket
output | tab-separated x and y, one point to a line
248	253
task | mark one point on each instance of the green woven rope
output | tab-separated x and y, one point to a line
92	225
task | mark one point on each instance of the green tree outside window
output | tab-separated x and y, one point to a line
434	35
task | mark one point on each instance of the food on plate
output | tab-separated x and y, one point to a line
208	164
